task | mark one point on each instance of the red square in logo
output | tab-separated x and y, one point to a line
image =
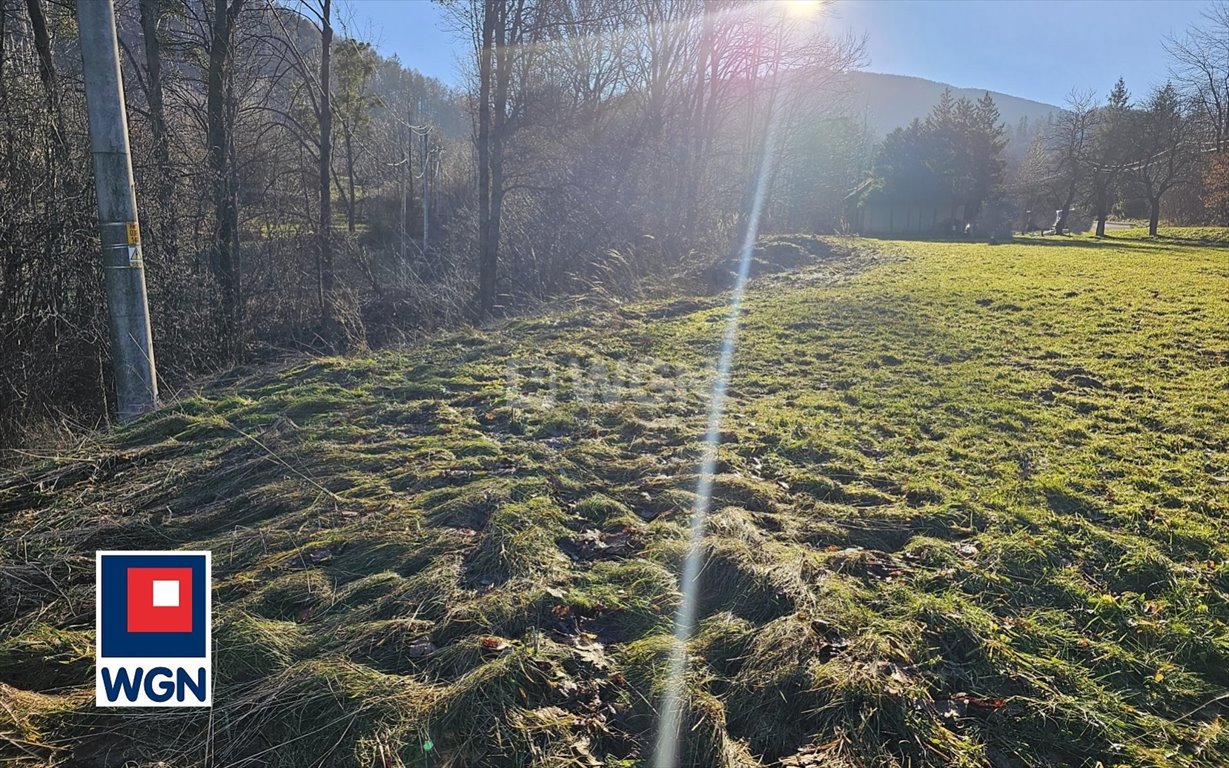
159	599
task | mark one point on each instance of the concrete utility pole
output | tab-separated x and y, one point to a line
132	348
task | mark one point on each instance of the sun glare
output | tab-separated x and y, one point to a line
799	8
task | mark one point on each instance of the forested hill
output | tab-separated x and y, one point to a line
892	101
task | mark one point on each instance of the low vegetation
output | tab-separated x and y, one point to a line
970	511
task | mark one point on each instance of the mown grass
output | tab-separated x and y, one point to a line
970	510
1196	235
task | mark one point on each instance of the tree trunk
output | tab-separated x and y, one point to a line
353	203
1099	202
225	206
1154	214
487	256
46	64
325	227
694	157
61	185
51	84
407	192
150	14
499	122
4	97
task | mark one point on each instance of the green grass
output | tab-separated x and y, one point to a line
1192	235
970	511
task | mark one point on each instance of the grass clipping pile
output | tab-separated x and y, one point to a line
970	511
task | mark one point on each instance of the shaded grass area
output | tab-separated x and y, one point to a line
970	510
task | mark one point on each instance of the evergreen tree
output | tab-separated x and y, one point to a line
987	138
954	154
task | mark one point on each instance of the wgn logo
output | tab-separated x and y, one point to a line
153	619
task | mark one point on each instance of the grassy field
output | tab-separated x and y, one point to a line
1189	235
971	511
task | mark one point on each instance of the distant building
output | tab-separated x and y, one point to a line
873	214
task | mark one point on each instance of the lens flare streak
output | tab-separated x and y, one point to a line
666	751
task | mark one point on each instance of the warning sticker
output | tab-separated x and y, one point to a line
134	256
134	232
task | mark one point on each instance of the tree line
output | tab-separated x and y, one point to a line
1090	161
954	154
1114	158
299	191
1163	156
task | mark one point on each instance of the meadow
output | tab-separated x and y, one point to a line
970	510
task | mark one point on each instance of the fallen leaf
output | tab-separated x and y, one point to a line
976	701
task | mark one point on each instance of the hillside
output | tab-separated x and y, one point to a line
969	511
892	101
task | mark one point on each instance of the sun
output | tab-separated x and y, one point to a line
799	8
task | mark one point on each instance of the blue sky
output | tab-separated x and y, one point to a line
1039	50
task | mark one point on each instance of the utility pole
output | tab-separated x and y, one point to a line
132	348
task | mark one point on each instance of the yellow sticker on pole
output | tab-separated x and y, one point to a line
134	232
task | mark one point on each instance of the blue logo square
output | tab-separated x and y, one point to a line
115	639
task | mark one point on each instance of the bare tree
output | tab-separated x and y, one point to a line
46	63
219	144
1069	140
151	16
1200	70
488	248
1109	153
1165	138
506	35
325	118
